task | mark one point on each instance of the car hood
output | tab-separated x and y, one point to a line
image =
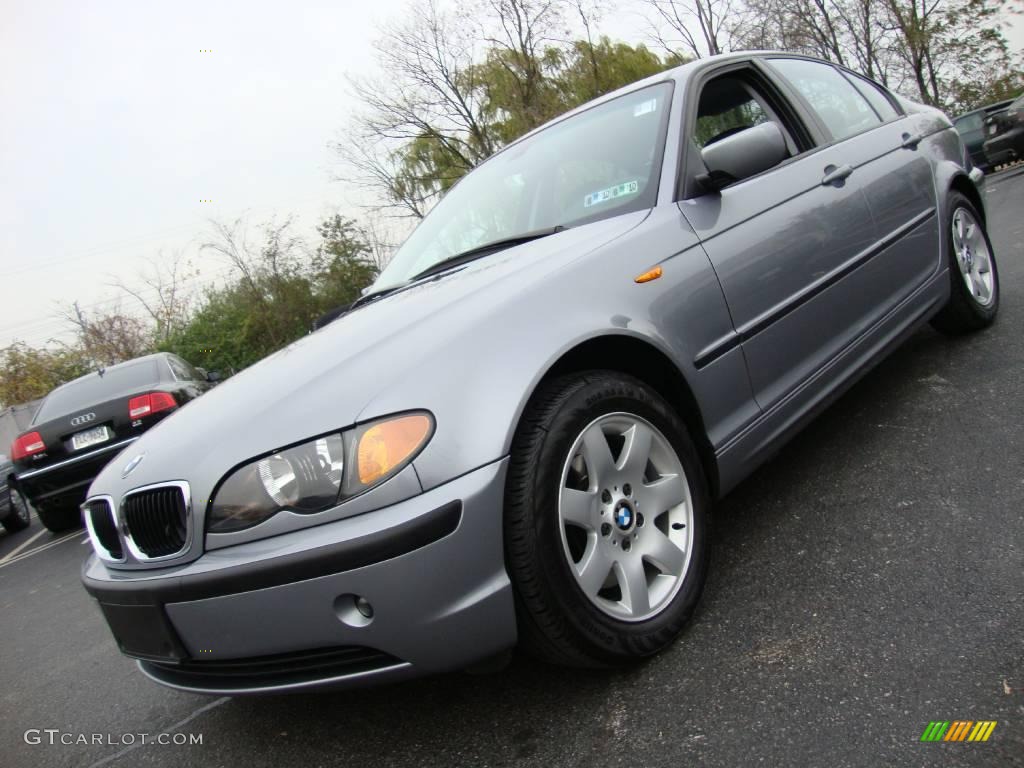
323	381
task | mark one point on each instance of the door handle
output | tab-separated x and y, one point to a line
910	141
835	174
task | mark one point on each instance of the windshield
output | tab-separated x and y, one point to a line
93	389
599	163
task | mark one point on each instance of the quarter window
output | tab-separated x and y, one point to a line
180	369
875	96
842	109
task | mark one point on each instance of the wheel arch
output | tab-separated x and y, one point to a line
962	183
645	361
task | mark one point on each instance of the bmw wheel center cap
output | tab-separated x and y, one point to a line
624	515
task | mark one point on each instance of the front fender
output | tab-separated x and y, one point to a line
478	382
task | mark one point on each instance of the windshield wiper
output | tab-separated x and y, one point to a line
482	250
460	258
366	298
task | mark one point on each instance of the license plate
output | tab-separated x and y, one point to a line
143	631
93	436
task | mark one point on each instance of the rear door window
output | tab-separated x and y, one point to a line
841	107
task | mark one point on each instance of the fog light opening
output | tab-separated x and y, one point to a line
353	610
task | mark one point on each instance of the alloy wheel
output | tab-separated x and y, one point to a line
626	516
973	256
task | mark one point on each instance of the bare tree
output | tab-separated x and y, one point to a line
814	27
917	22
589	13
108	337
166	293
430	95
701	27
869	35
382	238
460	84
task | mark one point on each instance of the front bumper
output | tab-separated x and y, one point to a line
276	614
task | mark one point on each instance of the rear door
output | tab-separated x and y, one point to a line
880	144
785	243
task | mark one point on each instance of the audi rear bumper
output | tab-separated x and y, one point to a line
246	620
67	481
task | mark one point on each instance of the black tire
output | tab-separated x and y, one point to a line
19	516
963	312
557	622
59	518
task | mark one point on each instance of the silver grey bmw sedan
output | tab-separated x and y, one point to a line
517	433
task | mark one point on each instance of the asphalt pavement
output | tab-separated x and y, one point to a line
867	581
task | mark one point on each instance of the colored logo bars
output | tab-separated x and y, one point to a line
958	730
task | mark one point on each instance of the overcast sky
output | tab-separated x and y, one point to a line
115	126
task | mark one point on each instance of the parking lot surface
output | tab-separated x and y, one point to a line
867	581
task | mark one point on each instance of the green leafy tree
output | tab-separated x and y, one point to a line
27	373
591	69
342	265
274	294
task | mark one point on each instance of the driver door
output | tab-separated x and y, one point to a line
783	241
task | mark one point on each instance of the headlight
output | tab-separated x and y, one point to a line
318	474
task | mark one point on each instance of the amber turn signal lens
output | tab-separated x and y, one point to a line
650	274
388	444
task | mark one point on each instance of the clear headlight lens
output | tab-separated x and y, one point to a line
318	474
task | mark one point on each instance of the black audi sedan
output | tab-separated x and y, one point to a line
1005	134
84	424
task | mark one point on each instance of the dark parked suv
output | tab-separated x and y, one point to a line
83	424
1005	134
973	129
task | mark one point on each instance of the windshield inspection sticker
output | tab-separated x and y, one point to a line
644	107
619	190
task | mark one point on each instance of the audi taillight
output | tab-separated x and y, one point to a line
145	405
28	444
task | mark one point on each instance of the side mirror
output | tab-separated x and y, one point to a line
213	376
742	155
